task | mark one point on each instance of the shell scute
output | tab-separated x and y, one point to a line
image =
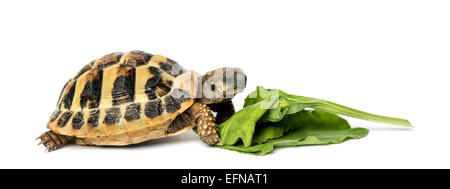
124	98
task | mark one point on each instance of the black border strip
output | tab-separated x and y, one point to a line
274	177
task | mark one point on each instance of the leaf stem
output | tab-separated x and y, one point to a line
332	107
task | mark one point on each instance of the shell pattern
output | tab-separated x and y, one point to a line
123	97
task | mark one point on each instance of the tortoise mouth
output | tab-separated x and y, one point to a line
238	84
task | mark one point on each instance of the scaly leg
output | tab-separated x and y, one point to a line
204	120
53	141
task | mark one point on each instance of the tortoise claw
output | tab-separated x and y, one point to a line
52	141
209	136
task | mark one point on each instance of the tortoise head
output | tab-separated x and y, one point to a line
222	84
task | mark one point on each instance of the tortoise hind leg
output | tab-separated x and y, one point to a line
204	120
53	141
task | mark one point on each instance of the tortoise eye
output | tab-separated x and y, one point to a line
213	87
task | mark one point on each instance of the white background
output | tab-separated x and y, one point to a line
384	57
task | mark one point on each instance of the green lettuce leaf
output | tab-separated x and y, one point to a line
272	118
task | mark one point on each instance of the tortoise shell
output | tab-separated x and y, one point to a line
124	98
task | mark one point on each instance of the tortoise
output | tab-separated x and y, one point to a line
128	98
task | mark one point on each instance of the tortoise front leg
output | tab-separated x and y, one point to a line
224	110
204	120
